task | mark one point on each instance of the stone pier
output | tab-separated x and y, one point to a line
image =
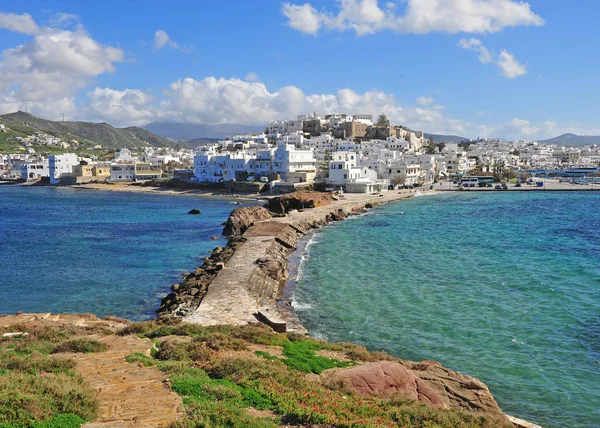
247	288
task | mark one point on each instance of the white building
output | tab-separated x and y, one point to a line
367	119
122	172
34	170
294	165
61	166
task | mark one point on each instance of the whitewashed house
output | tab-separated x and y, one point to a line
294	165
61	166
122	172
35	170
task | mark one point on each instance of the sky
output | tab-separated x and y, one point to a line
474	68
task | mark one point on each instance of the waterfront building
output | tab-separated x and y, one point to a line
122	172
61	166
147	171
33	170
90	172
294	165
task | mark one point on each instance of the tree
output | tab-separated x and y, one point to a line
382	120
398	179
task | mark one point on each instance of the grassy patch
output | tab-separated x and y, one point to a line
218	402
40	390
84	346
44	399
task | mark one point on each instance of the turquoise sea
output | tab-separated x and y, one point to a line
108	253
503	286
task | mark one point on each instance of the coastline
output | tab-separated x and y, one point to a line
272	301
241	289
139	189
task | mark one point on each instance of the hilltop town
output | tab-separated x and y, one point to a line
356	153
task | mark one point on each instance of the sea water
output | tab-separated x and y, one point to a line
504	286
107	253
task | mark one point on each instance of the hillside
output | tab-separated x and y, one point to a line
573	140
439	138
192	131
86	132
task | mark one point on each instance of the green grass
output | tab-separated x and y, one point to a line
218	389
40	390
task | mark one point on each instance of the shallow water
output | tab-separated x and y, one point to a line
503	286
108	253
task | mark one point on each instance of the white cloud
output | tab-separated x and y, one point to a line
507	64
475	45
220	100
425	101
45	73
18	23
63	20
252	77
420	16
162	40
303	18
127	107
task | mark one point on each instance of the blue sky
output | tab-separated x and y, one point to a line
470	67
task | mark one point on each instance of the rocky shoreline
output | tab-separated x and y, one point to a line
248	281
278	224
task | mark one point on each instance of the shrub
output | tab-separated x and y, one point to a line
84	346
172	351
36	362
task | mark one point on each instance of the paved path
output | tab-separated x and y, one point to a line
129	395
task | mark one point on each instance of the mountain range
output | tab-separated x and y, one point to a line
439	138
573	140
170	134
89	133
192	131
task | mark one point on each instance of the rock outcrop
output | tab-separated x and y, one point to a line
386	378
456	389
427	382
298	201
241	219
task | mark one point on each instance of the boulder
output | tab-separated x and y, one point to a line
241	219
456	389
194	211
273	268
298	201
386	378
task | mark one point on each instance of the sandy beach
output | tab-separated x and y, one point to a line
136	188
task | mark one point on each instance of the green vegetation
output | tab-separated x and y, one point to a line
227	376
223	371
84	346
42	390
87	133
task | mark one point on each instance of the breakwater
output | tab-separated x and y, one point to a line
244	281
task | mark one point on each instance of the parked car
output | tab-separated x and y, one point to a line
518	185
250	178
504	186
498	187
264	180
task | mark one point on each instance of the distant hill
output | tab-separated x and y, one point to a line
438	138
192	131
86	132
573	140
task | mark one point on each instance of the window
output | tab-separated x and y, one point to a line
345	176
340	166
